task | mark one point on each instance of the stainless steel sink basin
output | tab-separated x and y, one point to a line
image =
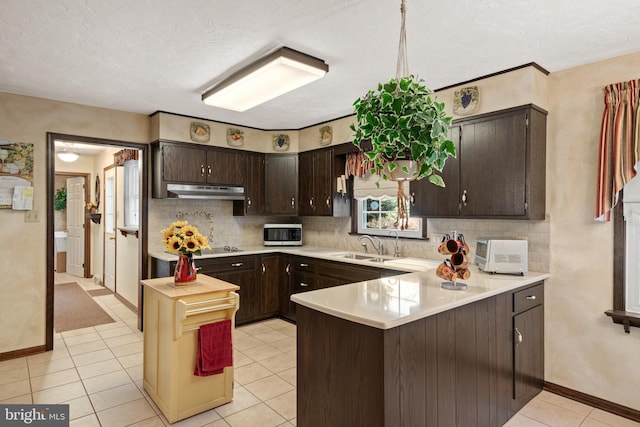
356	256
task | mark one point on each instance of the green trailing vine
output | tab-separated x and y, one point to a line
60	199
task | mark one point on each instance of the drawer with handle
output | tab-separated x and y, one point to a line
528	298
227	263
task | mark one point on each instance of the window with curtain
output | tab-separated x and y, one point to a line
618	162
379	215
377	207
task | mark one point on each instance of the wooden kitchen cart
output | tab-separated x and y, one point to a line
172	317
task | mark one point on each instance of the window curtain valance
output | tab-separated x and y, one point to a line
358	164
123	155
619	135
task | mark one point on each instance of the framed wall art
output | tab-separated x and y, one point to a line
466	100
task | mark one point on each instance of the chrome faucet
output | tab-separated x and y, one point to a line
396	249
379	247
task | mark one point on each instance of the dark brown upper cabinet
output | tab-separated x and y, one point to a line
253	186
281	184
315	182
499	171
186	163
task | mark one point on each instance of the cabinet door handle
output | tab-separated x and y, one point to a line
464	198
304	265
202	169
288	268
328	201
530	297
249	201
519	337
304	285
412	199
236	264
311	202
264	269
209	169
293	202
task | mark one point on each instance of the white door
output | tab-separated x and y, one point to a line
75	226
110	229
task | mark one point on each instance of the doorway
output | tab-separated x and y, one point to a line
141	236
65	215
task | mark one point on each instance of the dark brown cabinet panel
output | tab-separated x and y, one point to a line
315	182
185	163
253	186
305	183
493	167
281	184
433	201
528	346
270	282
337	273
241	271
225	166
500	169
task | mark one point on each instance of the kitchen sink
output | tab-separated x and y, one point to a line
357	256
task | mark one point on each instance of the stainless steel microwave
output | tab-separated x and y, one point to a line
283	234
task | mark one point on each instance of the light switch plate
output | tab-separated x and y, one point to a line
32	216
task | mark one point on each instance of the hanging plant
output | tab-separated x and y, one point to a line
402	122
60	199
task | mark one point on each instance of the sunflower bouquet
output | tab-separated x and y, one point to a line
180	237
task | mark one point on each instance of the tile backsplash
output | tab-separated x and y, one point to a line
334	232
215	219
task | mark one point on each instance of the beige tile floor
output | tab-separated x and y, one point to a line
98	372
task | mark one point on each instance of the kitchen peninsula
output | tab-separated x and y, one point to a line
401	351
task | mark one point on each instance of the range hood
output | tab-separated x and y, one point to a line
209	192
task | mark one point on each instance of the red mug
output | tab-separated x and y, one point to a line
448	247
459	260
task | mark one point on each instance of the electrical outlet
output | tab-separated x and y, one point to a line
32	216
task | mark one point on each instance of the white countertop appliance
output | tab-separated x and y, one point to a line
283	234
502	255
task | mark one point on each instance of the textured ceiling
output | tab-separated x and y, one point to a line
145	56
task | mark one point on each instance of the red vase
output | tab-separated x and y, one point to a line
185	273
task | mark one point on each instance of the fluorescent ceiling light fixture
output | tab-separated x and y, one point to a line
271	76
68	154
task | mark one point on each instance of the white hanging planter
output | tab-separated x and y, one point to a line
399	174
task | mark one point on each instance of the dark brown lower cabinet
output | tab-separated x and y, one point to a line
458	368
270	284
241	271
528	347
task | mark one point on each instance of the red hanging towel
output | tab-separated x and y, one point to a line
214	348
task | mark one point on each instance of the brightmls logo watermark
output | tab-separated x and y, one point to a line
34	415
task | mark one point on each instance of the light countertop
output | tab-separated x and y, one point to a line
204	285
393	301
408	264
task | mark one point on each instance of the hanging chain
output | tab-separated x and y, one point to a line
402	67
